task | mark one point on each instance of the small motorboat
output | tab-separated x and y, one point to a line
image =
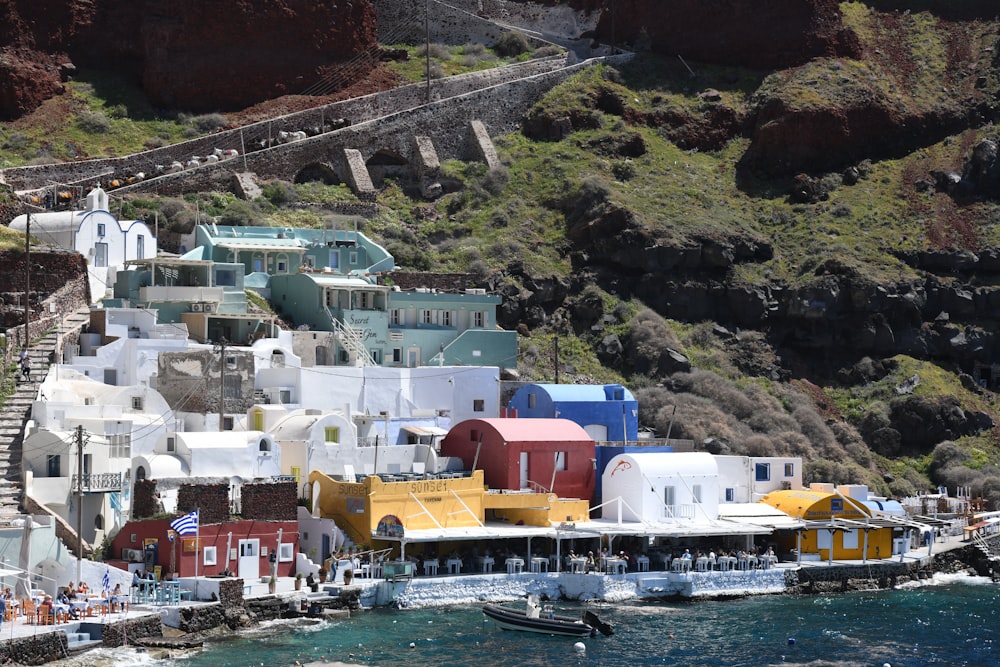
543	620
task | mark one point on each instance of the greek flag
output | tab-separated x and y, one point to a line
106	582
187	524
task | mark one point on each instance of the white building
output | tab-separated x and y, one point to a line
662	487
113	423
95	233
187	457
747	479
457	392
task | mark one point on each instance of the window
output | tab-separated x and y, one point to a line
427	317
396	317
560	460
227	423
364	300
397	355
225	277
447	318
696	492
137	402
264	446
171	444
258	420
668	497
478	405
479	319
331	434
531	401
730	495
297	473
140	473
836	504
474	435
789	470
282	266
230	361
286	551
376	356
101	229
54	465
140	246
211	555
100	254
352	258
762	472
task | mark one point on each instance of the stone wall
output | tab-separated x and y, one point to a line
144	501
270	501
37	650
211	501
127	631
248	140
445	282
841	578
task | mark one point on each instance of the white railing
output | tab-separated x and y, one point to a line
350	338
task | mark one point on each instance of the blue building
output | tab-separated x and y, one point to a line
608	413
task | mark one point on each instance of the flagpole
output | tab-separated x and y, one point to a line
197	551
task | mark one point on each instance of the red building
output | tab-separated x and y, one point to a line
540	454
244	547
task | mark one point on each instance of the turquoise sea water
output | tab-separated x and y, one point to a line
944	624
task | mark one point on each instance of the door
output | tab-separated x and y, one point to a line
249	564
524	470
413	357
327	548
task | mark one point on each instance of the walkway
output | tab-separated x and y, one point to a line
16	412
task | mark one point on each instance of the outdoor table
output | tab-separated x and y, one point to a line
578	565
553	562
539	564
486	564
454	565
169	593
431	567
614	565
515	565
642	563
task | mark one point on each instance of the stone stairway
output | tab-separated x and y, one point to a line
17	410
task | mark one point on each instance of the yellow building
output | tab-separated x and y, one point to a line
440	510
837	527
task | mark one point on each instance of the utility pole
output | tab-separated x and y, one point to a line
557	358
27	278
79	503
222	381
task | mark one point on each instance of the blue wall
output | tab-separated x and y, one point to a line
610	405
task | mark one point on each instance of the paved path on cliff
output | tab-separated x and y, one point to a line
16	412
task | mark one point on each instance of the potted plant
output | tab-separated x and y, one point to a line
348	576
322	574
298	581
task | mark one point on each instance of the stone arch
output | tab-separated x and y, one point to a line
385	163
318	171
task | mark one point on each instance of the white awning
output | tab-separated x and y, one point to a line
760	514
425	430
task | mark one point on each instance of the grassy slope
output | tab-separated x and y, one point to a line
516	214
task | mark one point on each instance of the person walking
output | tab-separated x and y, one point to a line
25	367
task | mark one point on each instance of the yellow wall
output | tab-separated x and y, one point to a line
358	507
879	544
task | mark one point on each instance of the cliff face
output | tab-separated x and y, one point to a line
191	55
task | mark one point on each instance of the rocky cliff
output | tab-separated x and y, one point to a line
188	55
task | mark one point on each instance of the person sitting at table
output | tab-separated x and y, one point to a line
8	594
116	595
591	564
136	579
687	555
83	589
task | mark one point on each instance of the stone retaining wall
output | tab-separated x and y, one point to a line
38	650
127	631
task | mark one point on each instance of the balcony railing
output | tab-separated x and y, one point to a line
103	481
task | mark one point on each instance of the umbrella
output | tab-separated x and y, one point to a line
23	586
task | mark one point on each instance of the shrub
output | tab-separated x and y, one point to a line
439	51
209	122
279	192
118	111
238	214
495	180
16	141
546	51
511	44
93	122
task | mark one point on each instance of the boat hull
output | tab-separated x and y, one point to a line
510	619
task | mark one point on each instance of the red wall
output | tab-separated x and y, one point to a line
210	535
500	461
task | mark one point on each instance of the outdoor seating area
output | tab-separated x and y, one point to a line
161	593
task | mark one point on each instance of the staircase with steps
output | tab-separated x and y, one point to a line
16	412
